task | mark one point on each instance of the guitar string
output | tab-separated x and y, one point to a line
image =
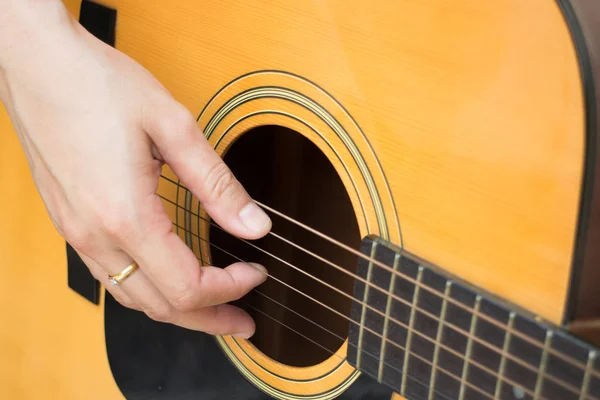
387	340
341	358
467	335
412	353
539	344
342	339
435	318
392	367
435	292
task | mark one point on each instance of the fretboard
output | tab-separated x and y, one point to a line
428	336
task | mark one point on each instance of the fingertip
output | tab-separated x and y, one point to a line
223	320
255	220
248	275
242	324
261	268
262	273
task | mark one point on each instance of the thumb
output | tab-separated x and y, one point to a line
183	146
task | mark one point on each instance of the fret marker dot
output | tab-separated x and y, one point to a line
518	392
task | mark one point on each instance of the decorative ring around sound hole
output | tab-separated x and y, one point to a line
287	100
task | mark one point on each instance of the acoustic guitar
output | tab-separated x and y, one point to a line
432	172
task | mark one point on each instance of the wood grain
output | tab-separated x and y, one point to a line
473	111
480	135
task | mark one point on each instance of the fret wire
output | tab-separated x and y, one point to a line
328	331
408	278
322	327
364	309
507	336
438	339
410	330
386	320
329	351
338	336
490	346
375	333
452	326
543	365
586	379
468	351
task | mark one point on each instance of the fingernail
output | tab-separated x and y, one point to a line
254	218
259	267
244	335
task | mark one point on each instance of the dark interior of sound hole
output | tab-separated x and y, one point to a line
284	170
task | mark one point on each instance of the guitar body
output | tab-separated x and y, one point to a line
462	133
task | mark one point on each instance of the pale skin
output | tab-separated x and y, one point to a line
96	128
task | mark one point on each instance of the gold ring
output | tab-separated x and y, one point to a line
117	279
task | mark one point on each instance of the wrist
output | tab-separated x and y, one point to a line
27	29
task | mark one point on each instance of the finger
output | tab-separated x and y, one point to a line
174	269
136	286
218	319
101	276
222	319
222	285
183	146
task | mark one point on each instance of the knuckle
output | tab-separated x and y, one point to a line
76	234
184	303
183	119
160	314
116	221
155	218
116	226
188	299
178	122
221	182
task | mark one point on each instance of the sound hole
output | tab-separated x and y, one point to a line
284	170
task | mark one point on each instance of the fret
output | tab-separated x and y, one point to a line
398	322
594	384
388	308
507	337
411	324
567	374
543	365
438	339
363	315
490	331
521	368
588	373
469	349
454	342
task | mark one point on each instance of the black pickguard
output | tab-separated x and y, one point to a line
151	360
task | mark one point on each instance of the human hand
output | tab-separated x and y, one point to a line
96	128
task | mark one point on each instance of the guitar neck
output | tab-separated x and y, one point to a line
427	335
